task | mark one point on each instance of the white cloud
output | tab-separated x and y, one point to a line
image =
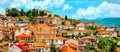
103	10
3	1
37	4
2	11
66	6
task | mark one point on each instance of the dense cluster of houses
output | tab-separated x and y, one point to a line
22	36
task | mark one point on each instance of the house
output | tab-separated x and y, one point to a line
11	19
43	19
40	20
81	24
59	27
59	41
82	32
1	33
46	12
73	41
25	37
90	40
44	33
107	34
82	42
41	47
80	28
101	28
68	26
75	21
23	30
56	20
21	47
22	20
89	23
14	48
70	45
75	32
65	33
112	28
69	48
11	24
6	32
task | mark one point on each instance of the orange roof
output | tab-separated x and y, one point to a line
118	49
13	27
79	40
90	23
64	31
86	30
89	37
68	25
60	38
59	25
6	29
38	44
68	49
11	22
31	47
74	30
39	17
73	45
40	25
79	27
1	27
105	32
24	35
41	45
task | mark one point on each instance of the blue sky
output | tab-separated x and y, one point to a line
77	9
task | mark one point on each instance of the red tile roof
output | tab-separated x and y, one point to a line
90	23
30	47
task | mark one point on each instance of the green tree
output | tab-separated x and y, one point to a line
8	12
28	12
0	14
20	19
6	39
74	24
36	12
13	12
95	33
22	12
86	34
33	12
53	48
41	13
105	44
63	22
1	41
89	48
66	18
91	27
31	17
56	15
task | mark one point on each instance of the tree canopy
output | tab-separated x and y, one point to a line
12	12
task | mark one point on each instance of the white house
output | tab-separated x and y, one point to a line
107	34
81	24
14	48
59	41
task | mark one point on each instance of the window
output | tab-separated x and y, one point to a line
25	46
